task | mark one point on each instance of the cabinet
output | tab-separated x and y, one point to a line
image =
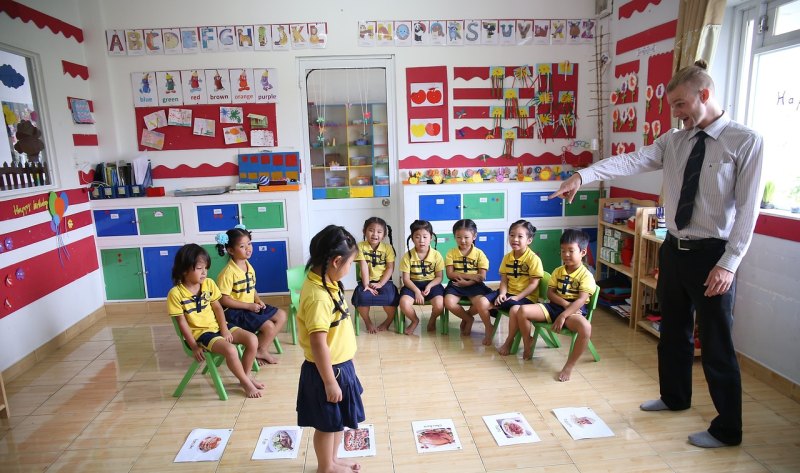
475	206
140	221
349	151
491	243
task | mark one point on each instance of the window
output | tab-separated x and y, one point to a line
768	92
24	158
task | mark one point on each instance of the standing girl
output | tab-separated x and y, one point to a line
520	274
195	302
466	268
329	392
422	276
376	264
237	283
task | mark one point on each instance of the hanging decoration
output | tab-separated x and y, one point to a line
57	205
497	75
645	133
522	122
660	96
511	103
497	119
509	135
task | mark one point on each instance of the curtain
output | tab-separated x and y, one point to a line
699	25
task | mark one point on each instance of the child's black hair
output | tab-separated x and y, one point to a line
420	225
465	224
330	242
185	260
573	235
234	235
387	229
528	226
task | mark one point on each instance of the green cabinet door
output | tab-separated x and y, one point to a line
483	206
158	220
217	262
584	203
546	245
337	193
263	215
122	272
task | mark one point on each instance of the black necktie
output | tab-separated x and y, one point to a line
691	181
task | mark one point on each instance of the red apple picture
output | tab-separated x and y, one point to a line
418	97
433	129
434	96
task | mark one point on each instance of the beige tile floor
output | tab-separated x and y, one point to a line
103	403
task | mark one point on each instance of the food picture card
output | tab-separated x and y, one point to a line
278	442
152	139
582	423
510	428
358	442
231	115
179	117
426	94
234	135
437	435
155	120
204	445
262	138
204	127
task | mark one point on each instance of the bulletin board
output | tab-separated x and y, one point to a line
182	137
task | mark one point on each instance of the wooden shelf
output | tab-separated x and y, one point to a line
626	270
4	412
622	228
648	327
648	281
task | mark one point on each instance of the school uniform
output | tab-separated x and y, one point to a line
568	286
519	272
241	286
471	263
197	310
422	272
377	261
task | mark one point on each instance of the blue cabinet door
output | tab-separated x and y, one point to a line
440	207
591	254
217	218
537	204
158	262
269	262
493	244
115	222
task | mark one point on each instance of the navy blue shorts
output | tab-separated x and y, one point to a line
508	303
387	296
206	339
478	289
554	310
313	408
248	320
436	290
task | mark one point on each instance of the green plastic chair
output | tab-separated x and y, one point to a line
445	317
544	329
294	277
213	361
542	291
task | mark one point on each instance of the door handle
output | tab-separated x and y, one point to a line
385	202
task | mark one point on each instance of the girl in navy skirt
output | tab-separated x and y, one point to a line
376	264
422	268
329	392
466	268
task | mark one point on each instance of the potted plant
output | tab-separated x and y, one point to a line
769	192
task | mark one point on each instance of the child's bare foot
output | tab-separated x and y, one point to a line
527	353
411	327
487	340
466	327
504	349
385	326
347	465
264	357
250	389
565	374
432	325
257	383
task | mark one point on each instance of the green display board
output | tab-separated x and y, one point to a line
584	203
122	273
546	245
263	215
483	206
158	220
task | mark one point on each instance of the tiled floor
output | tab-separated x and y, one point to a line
104	403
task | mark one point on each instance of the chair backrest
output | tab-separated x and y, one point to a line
180	336
294	279
543	284
592	304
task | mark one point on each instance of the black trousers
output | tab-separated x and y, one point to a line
680	293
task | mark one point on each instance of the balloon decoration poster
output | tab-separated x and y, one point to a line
426	92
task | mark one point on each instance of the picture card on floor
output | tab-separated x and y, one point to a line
582	423
358	442
510	428
204	445
437	435
278	442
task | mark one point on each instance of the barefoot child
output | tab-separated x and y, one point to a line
422	269
520	274
466	268
376	263
237	283
195	302
570	288
329	392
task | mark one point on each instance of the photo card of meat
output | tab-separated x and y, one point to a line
358	442
204	445
437	435
510	428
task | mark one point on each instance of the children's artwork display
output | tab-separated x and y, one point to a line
234	135
231	115
510	428
209	86
179	117
155	120
582	423
426	92
204	127
204	445
656	110
278	442
358	442
152	139
262	138
437	435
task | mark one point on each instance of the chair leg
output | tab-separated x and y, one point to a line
399	321
496	324
215	378
445	319
292	324
515	344
590	345
186	378
357	322
277	344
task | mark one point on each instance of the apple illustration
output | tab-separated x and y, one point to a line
434	96
418	130
433	129
418	97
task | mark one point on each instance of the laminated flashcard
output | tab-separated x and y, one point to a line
242	86
426	130
234	135
244	37
115	45
420	33
155	120
280	38
402	33
231	115
218	86
558	33
426	94
384	33
265	85
152	139
81	112
541	31
299	35
574	32
437	435
507	32
278	442
587	31
208	38
262	40
134	40
489	32
262	138
204	445
472	32
366	33
358	442
524	32
204	127
582	423
510	428
143	85
226	38
169	88
455	32
179	117
153	42
317	35
194	90
437	36
172	40
190	42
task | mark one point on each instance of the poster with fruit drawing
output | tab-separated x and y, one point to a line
426	94
426	130
426	99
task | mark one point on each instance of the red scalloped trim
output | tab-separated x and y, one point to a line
203	170
643	38
75	70
625	69
415	162
635	6
27	14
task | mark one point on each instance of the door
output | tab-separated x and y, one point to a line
350	161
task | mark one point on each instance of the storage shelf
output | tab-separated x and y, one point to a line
622	228
648	327
626	270
649	281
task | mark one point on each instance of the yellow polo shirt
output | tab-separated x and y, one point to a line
520	271
196	308
421	270
240	285
316	314
376	259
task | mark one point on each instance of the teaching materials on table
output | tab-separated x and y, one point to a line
204	445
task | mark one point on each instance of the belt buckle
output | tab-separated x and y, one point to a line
679	244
